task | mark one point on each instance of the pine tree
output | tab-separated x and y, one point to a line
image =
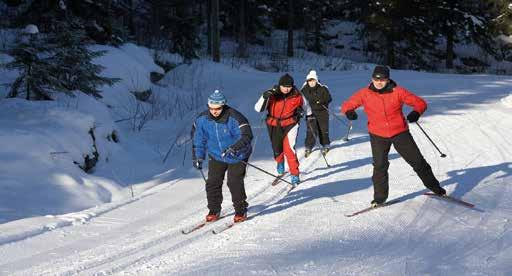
314	13
73	60
31	59
173	24
464	21
398	30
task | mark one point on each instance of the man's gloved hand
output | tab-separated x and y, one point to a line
229	152
310	117
198	164
269	93
351	115
413	116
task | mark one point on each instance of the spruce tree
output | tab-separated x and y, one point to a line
464	22
398	30
73	60
31	58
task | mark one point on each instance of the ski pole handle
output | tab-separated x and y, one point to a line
202	174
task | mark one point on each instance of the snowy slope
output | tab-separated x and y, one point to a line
42	140
306	232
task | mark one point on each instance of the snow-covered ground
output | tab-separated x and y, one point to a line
303	232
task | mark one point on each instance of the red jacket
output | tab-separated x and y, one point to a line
384	110
284	109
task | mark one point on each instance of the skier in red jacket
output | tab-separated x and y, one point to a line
285	105
382	101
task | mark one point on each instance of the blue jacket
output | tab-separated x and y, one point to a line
215	135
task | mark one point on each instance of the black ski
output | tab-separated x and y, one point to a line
374	207
278	179
451	199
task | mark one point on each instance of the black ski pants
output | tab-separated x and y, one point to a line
318	127
236	173
407	148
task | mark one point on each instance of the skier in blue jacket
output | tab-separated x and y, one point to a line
225	134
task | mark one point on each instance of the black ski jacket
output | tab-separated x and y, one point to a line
317	96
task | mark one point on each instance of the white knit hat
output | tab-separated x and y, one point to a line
312	75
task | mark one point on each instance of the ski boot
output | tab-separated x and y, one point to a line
280	168
325	150
295	180
212	216
439	192
240	216
376	203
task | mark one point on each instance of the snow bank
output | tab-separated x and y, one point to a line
44	143
507	101
133	65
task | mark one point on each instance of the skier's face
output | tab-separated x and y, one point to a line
215	109
311	82
379	83
285	89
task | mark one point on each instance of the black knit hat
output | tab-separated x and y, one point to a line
286	80
380	72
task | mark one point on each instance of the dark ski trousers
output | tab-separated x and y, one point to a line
236	173
407	148
318	127
283	144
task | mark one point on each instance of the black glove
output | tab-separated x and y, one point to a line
351	115
310	117
229	152
413	116
198	164
269	93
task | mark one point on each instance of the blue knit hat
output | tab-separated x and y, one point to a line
217	98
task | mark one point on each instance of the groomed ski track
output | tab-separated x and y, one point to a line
306	232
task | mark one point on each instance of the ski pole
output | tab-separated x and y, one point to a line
349	126
334	115
348	131
316	138
262	170
202	174
442	154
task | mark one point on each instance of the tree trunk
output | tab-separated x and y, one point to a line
449	47
390	52
290	28
131	19
27	80
215	31
209	25
242	39
318	24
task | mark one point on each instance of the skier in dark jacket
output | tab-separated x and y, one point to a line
285	105
225	134
382	101
319	98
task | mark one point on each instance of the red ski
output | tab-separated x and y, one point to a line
197	226
451	199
